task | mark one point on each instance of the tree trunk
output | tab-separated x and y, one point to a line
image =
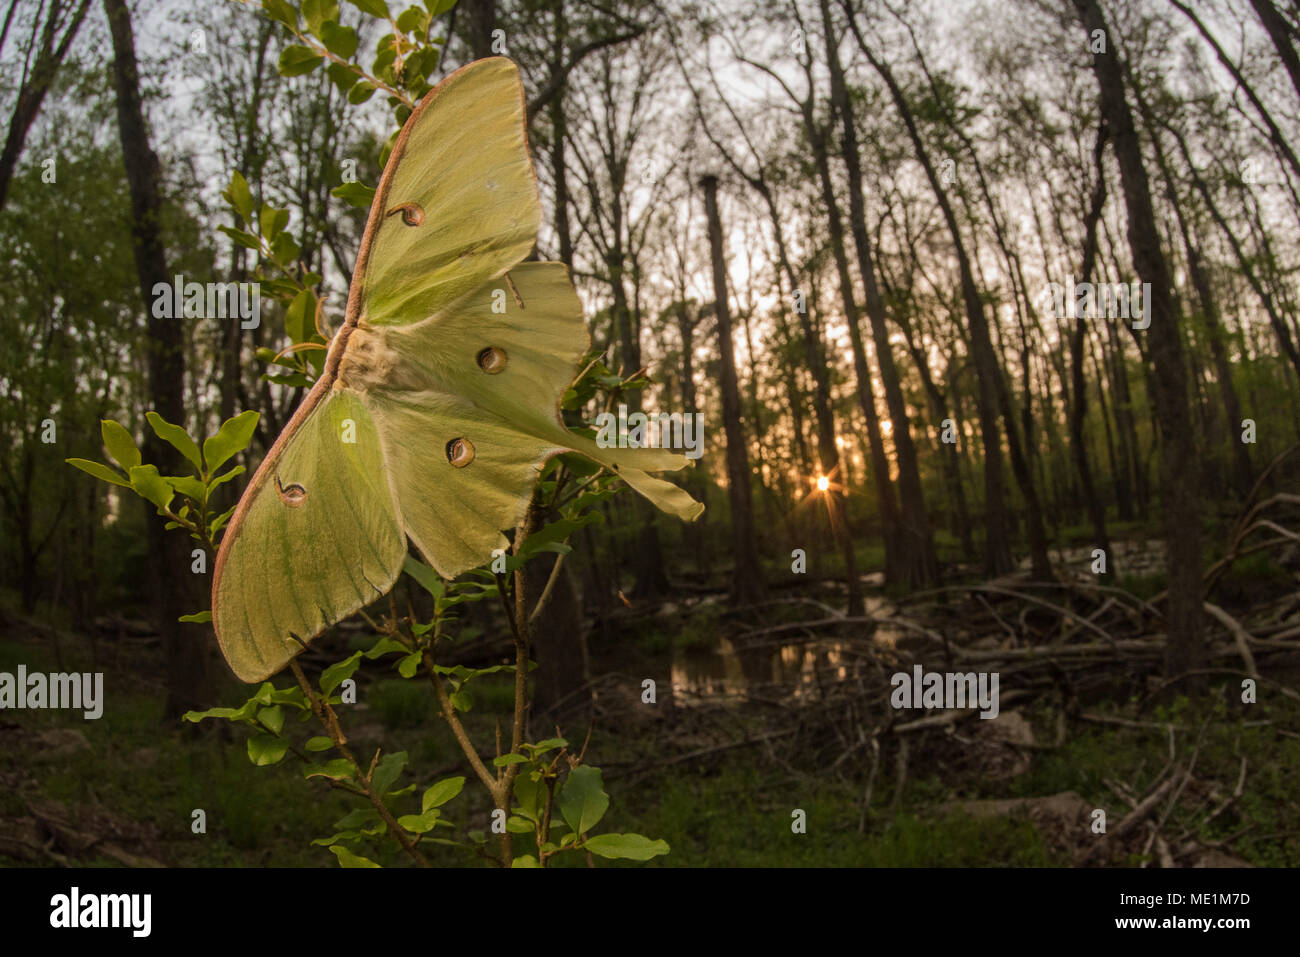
185	646
917	564
1185	650
747	577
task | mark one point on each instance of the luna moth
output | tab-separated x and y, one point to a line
439	399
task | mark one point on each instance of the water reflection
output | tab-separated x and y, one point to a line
782	669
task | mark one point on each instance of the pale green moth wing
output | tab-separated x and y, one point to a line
468	407
457	204
316	537
448	437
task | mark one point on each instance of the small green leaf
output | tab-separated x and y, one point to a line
426	576
337	673
438	7
295	60
247	240
281	11
319	743
101	472
527	860
376	8
439	794
388	771
151	486
176	437
319	12
583	800
409	665
361	92
272	221
187	485
633	847
348	859
412	20
263	749
240	196
462	700
226	476
233	437
120	444
339	769
354	193
272	718
508	759
198	618
342	76
300	317
384	646
519	825
339	40
420	823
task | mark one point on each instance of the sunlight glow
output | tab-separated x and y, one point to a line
823	483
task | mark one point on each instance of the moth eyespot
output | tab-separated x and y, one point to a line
460	452
412	213
291	495
492	360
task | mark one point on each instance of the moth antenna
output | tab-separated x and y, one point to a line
511	283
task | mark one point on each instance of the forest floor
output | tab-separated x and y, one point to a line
768	712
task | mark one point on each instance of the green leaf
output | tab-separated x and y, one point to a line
300	317
438	7
548	745
354	193
384	646
508	759
342	76
120	444
263	749
233	437
187	485
527	860
361	92
420	823
176	437
340	769
336	674
240	196
319	12
271	221
101	472
426	576
412	20
198	618
272	718
376	8
583	800
519	825
339	40
409	665
529	794
226	477
284	250
281	11
632	847
348	859
319	743
151	486
247	240
462	700
295	60
439	794
388	771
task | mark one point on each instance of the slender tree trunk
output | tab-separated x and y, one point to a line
916	558
185	646
1279	32
747	577
32	93
1185	649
